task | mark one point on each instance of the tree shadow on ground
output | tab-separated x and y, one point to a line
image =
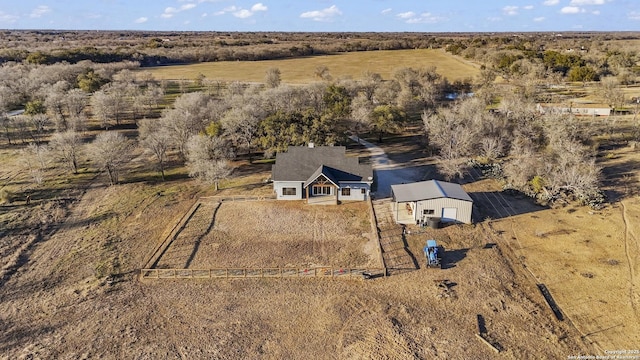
502	204
620	180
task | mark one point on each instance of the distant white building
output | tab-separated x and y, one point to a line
575	109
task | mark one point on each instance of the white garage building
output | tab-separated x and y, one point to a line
416	202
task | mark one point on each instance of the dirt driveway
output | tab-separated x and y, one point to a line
386	171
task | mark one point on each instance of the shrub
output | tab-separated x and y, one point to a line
6	196
537	183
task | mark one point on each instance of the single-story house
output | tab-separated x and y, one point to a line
320	174
415	203
578	109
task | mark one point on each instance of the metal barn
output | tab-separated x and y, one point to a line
418	202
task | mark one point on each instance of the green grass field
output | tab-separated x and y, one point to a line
301	70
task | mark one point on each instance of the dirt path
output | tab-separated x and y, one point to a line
631	250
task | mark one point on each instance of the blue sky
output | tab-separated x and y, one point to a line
323	15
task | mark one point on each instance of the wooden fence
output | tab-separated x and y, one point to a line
288	272
238	198
376	233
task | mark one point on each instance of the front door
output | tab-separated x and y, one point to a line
321	190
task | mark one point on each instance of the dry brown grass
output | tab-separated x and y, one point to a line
301	71
279	234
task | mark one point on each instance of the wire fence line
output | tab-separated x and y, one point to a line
286	272
149	271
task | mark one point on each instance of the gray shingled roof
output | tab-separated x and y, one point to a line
300	163
426	190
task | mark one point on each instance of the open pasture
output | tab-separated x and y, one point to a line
302	70
262	234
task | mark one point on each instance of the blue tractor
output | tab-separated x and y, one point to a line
433	254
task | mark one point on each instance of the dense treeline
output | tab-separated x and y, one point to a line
206	123
157	48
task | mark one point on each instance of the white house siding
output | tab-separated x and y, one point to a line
463	213
575	110
279	185
356	192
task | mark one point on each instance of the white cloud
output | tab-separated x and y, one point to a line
8	18
551	2
571	10
259	7
634	15
39	11
528	7
494	19
141	20
170	11
322	15
426	18
240	12
539	19
596	12
227	10
243	14
510	10
386	11
587	2
407	15
411	17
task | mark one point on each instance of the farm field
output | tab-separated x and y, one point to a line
302	70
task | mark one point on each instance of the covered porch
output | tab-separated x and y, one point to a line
321	189
322	200
403	212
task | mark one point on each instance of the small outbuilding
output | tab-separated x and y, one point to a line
420	202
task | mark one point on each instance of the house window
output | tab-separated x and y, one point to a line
346	191
322	190
363	191
287	191
428	212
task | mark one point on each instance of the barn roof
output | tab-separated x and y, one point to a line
302	163
426	190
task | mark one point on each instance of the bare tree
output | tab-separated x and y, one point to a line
191	115
322	73
55	103
242	124
110	151
151	98
76	101
7	125
35	159
207	159
67	146
611	92
110	103
454	138
156	140
361	112
272	77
